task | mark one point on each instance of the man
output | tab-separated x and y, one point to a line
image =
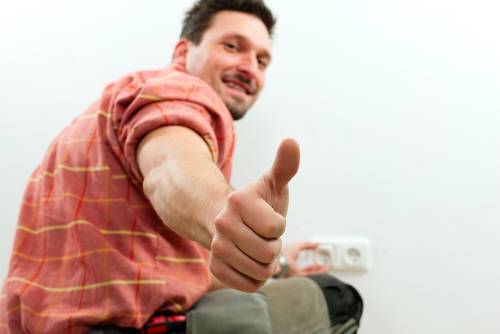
131	211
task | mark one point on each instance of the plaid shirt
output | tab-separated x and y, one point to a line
89	248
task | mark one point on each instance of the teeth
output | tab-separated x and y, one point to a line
235	86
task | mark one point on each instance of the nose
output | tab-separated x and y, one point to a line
249	65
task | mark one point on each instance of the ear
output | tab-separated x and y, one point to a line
180	51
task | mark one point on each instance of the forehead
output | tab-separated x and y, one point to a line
230	23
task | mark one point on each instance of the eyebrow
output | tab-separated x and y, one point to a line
263	51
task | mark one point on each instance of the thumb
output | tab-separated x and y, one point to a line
286	163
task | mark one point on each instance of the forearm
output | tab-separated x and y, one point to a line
187	194
183	184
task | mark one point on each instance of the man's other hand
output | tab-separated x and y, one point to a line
292	253
246	242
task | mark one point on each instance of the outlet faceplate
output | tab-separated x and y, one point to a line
347	254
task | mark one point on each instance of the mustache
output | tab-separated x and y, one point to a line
249	82
243	79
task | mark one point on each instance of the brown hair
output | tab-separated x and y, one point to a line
199	17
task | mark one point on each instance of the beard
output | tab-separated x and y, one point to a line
236	106
237	110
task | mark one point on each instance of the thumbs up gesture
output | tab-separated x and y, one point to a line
246	242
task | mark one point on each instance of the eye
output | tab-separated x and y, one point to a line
231	46
262	63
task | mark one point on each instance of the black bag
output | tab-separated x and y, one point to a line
345	304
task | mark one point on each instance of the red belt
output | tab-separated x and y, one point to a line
163	324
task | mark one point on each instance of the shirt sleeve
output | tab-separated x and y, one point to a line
145	102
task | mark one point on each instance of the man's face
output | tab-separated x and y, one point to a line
232	58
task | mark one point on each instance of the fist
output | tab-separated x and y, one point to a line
246	242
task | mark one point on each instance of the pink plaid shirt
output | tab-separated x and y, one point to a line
89	248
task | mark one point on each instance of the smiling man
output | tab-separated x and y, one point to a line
232	57
131	218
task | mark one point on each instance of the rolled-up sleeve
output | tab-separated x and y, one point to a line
141	103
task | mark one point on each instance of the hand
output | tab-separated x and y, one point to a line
292	252
246	242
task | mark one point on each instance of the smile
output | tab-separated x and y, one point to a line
239	86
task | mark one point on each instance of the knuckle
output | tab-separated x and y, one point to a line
235	199
252	286
266	272
252	289
273	229
270	230
218	248
260	274
223	224
220	220
269	254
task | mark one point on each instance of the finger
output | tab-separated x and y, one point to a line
315	269
307	245
286	164
260	249
257	214
232	278
235	258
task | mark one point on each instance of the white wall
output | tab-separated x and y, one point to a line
395	105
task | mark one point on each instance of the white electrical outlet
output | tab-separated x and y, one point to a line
347	254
